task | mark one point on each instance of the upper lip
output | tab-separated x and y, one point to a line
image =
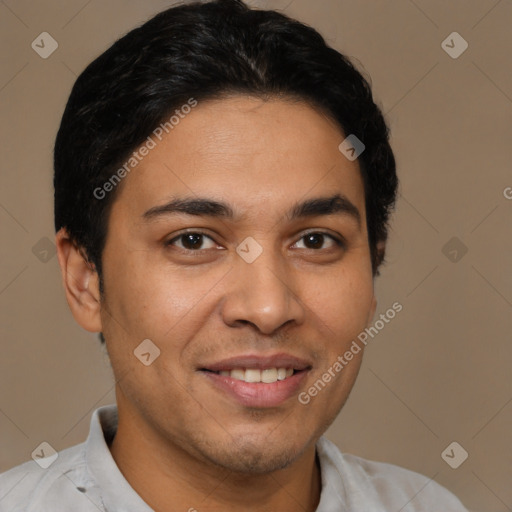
258	361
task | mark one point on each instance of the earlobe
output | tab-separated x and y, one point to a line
371	313
81	283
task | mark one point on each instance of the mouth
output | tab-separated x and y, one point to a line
255	375
256	381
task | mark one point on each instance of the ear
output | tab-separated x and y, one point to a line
381	250
371	313
81	283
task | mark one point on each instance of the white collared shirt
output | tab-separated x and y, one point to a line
85	478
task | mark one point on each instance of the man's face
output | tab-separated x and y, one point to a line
210	308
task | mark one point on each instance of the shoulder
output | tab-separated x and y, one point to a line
367	483
27	487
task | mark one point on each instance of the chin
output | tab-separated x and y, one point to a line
256	458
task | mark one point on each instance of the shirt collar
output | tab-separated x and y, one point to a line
117	494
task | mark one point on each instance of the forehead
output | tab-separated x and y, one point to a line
247	152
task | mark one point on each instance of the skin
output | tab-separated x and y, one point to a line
178	436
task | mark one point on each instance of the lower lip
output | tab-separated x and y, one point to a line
258	394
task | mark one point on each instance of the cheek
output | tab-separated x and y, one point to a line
341	302
151	299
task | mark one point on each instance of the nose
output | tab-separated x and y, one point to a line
262	293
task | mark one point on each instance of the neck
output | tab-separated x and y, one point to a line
168	478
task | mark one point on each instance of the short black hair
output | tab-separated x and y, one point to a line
206	50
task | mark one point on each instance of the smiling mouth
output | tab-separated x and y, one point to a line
255	375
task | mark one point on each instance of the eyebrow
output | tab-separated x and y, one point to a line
199	206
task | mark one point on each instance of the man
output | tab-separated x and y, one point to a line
223	182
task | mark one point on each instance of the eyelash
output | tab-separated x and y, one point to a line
338	241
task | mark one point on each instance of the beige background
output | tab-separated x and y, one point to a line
440	371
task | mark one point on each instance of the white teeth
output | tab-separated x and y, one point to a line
252	375
237	373
281	374
267	376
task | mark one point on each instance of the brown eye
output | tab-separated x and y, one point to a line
192	241
316	240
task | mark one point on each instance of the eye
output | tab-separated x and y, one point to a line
192	241
316	239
